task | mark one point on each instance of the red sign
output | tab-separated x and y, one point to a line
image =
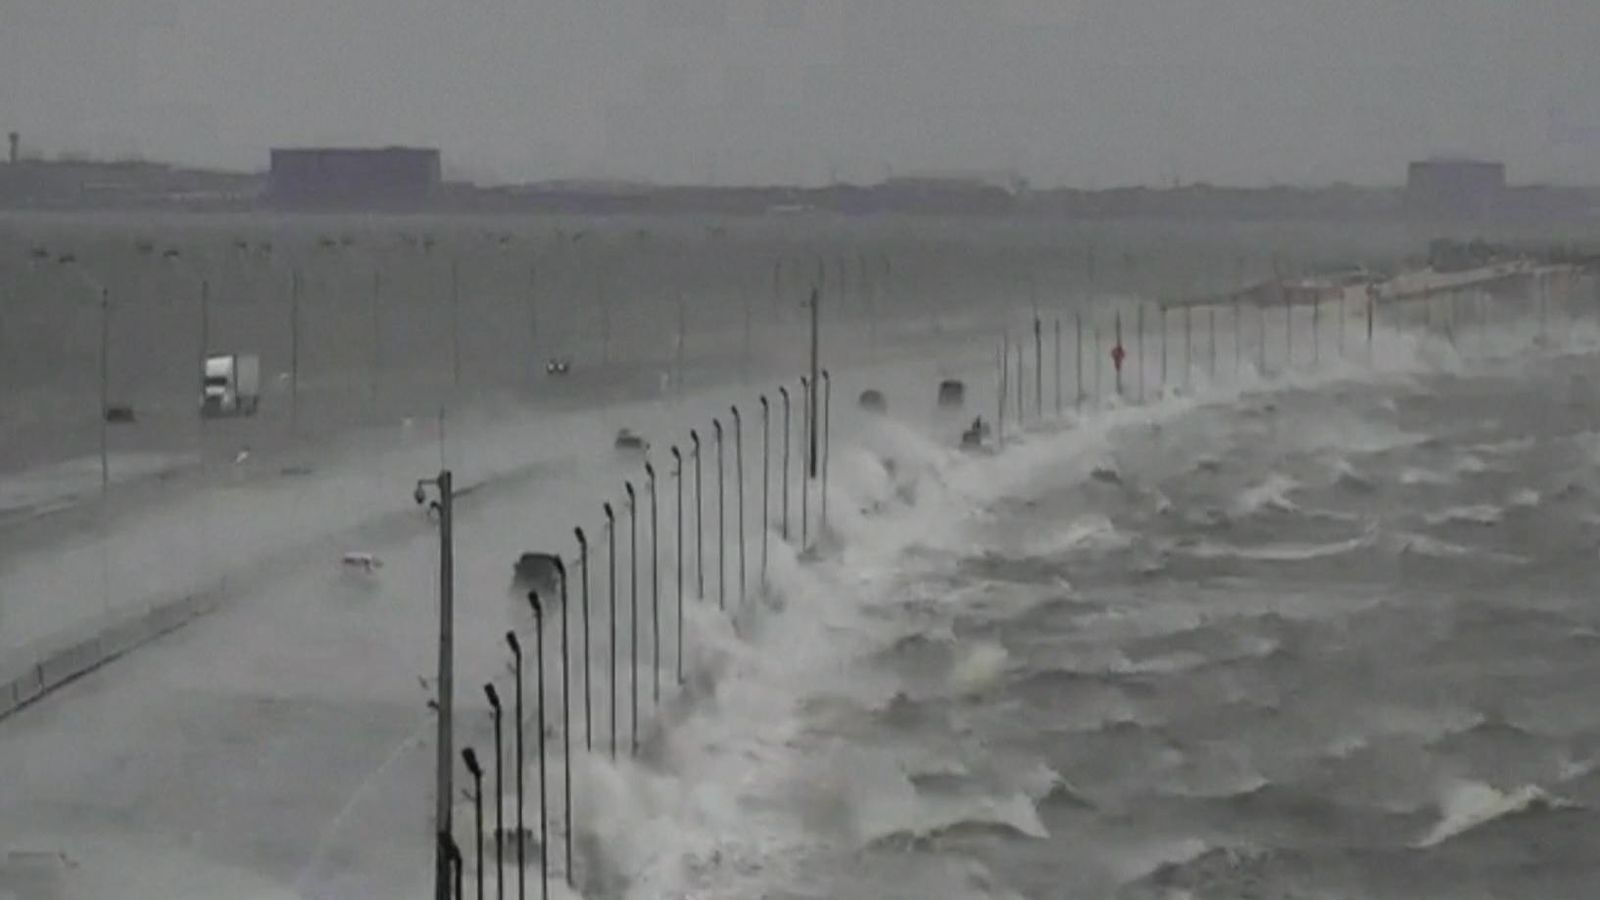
1117	356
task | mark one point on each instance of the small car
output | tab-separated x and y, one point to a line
629	443
952	394
536	572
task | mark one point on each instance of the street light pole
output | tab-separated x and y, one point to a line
811	398
444	508
496	716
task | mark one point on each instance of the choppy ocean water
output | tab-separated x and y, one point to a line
1328	639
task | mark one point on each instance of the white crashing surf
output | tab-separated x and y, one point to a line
1272	494
1087	533
1477	514
1280	552
1471	804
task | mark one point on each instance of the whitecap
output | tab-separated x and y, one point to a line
1415	476
1410	543
1526	498
1470	804
1093	531
1271	494
1284	552
1479	514
979	667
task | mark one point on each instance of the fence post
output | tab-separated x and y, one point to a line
1099	368
1372	311
1038	369
1078	316
1238	337
1118	344
1316	329
294	353
1343	314
1166	323
1211	327
1138	346
1261	313
1021	410
1188	346
1288	332
1003	359
1058	366
1539	288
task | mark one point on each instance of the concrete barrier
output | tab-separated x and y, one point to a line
69	662
87	648
124	634
19	685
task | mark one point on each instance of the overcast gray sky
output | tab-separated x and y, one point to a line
1087	93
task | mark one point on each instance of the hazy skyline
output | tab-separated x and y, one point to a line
1091	93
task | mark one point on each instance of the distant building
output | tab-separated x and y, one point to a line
332	176
1455	187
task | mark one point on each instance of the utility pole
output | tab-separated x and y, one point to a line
443	703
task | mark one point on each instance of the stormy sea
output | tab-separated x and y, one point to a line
1326	637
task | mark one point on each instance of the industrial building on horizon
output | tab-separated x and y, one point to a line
1455	187
352	176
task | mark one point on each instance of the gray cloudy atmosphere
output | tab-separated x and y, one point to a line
1086	93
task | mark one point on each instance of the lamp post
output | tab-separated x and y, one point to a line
699	516
655	587
766	467
611	584
499	794
722	533
588	668
633	614
783	392
677	546
522	831
476	771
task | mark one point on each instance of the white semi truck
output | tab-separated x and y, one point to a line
232	385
